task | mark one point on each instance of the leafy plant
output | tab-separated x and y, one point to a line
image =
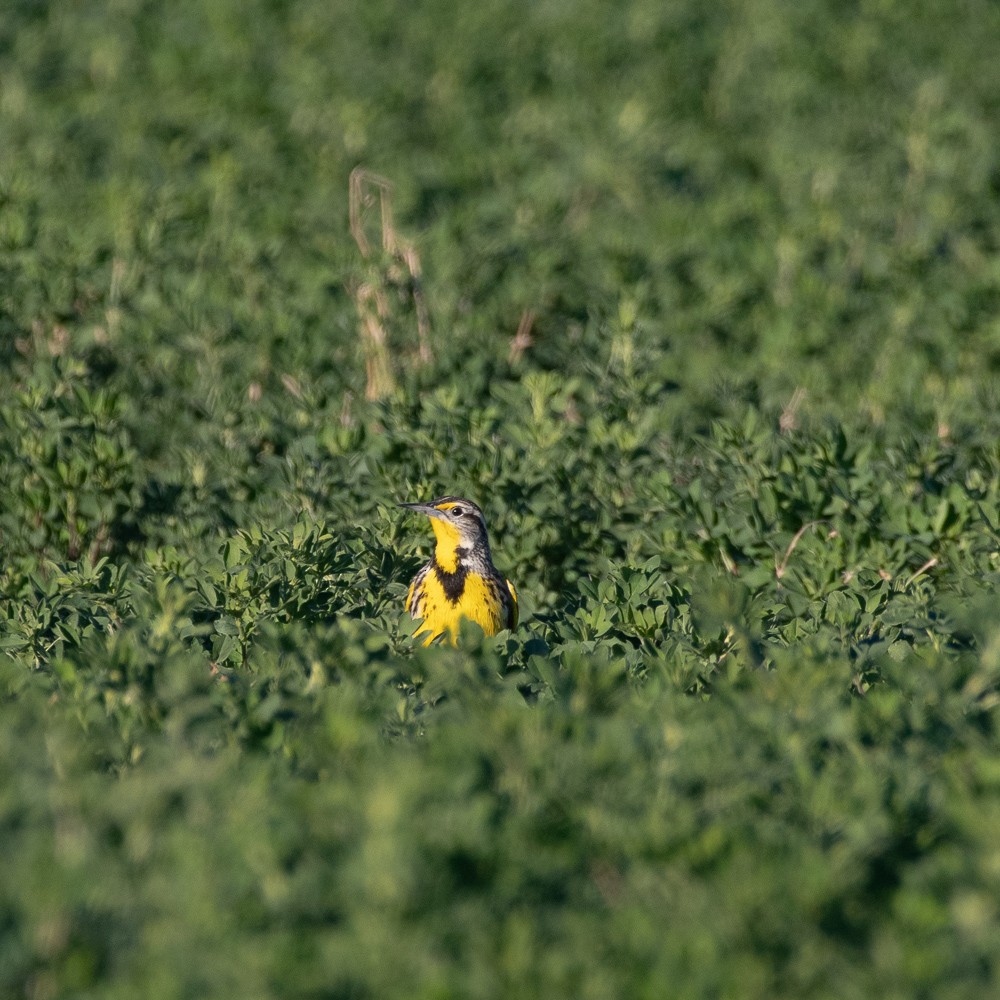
712	295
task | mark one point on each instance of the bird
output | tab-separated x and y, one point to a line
460	581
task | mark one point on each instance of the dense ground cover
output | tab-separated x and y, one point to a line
743	465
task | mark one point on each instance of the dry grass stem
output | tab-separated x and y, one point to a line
392	284
523	338
780	567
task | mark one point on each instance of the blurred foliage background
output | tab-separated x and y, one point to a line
713	297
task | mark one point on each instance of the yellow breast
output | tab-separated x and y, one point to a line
480	601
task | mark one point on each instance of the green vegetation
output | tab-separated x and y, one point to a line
742	462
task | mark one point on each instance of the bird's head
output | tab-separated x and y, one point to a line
459	527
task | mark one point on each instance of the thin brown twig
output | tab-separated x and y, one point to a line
400	272
360	199
789	419
423	320
779	568
930	564
523	338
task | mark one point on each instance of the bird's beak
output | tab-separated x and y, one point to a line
422	508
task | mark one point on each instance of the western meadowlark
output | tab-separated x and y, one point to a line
460	581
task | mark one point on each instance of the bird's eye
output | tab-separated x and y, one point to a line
457	511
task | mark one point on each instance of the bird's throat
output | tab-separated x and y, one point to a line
447	550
